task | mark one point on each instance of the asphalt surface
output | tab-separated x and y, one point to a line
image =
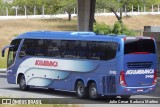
13	91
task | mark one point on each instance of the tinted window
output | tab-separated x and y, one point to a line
98	50
53	48
13	51
40	47
69	49
141	45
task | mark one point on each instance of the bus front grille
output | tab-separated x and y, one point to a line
139	64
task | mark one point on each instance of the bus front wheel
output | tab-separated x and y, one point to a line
81	91
22	83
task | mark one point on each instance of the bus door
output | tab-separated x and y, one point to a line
139	63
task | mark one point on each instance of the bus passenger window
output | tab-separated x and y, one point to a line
28	48
53	48
98	50
84	49
41	48
68	49
93	50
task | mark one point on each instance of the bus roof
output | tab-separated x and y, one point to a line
72	35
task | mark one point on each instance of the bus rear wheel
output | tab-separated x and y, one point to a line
93	92
81	91
22	83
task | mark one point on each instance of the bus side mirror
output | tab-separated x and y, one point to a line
3	50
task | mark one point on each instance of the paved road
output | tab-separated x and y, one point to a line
13	91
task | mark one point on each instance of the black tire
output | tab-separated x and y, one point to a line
22	83
81	91
93	92
125	96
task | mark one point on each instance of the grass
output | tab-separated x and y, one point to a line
10	28
132	22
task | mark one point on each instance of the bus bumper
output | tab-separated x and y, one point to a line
135	90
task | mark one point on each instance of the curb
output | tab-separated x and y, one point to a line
3	70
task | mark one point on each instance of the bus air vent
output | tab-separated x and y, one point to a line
111	84
104	84
139	64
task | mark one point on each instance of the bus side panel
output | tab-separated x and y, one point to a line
104	77
108	80
39	69
64	84
119	65
11	78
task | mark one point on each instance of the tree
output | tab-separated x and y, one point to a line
1	8
51	6
5	8
119	5
1	2
110	5
68	6
20	4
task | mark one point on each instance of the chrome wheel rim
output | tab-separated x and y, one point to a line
80	90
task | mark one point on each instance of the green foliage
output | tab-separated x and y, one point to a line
3	61
128	32
3	7
119	5
1	2
118	28
116	4
68	6
142	3
107	4
102	29
51	6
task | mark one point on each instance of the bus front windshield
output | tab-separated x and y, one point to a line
12	52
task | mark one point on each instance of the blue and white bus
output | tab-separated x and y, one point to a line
89	64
